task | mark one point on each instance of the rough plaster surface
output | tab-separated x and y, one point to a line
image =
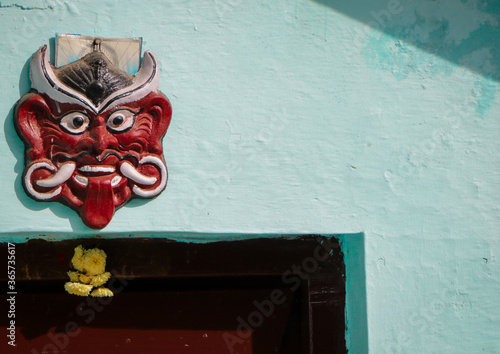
379	117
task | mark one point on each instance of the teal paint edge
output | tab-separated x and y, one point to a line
352	246
356	311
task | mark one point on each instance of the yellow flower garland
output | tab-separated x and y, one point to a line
90	265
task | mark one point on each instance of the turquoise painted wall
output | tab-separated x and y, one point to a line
372	117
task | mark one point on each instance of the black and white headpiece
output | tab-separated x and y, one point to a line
93	80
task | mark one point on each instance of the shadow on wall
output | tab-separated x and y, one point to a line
464	32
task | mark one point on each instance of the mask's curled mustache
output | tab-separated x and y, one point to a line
65	170
68	157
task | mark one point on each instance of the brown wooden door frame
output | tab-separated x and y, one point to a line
310	265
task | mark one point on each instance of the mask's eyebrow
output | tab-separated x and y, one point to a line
135	111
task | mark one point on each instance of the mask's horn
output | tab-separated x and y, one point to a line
145	81
44	80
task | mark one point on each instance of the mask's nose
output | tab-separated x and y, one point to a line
99	139
103	139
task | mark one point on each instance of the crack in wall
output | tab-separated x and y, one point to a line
25	8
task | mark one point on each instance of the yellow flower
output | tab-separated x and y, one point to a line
74	276
94	261
77	259
77	289
90	265
85	279
101	279
101	292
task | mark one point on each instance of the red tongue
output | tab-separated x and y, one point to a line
98	208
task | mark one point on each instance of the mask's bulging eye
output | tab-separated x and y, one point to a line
75	122
121	120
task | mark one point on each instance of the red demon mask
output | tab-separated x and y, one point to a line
93	134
